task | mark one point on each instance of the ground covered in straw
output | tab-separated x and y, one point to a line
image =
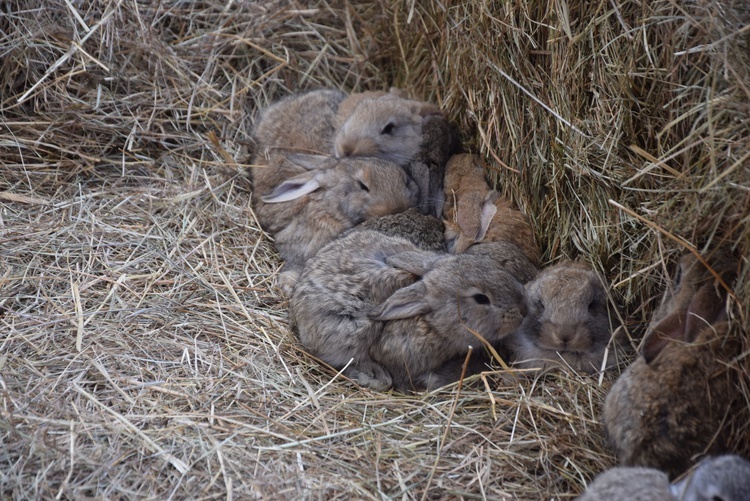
144	352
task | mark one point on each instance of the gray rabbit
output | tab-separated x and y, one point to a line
721	478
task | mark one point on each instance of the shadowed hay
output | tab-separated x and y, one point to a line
143	351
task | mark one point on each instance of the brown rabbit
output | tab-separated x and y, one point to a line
474	213
308	200
392	313
671	404
569	322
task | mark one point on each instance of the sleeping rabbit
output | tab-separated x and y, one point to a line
390	314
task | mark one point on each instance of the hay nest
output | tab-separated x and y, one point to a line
143	351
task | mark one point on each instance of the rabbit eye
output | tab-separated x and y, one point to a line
363	187
539	305
481	299
388	129
592	304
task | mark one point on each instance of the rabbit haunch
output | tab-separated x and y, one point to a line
392	313
308	200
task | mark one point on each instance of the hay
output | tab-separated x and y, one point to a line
143	351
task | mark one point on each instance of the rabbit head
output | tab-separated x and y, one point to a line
681	401
388	127
568	319
360	188
456	296
629	484
721	478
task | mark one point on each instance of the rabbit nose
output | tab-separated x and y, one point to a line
565	336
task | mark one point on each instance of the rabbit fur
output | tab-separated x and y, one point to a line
424	231
474	213
312	199
569	321
303	123
721	478
671	405
398	312
629	484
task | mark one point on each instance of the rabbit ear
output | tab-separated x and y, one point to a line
425	109
706	308
293	188
309	162
404	303
395	91
489	209
415	262
669	329
469	214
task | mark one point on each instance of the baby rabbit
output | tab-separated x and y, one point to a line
392	313
568	321
411	133
672	403
304	123
474	214
426	232
722	478
308	200
629	484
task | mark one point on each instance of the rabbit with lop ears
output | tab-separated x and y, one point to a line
474	213
303	123
410	133
671	403
392	313
309	200
721	478
568	323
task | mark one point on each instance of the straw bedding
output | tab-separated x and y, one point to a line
144	352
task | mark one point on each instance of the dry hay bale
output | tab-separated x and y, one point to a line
143	352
